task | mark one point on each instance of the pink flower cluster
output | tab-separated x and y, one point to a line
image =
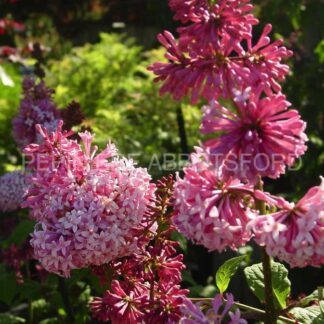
295	233
259	139
90	208
218	314
215	56
210	211
145	286
13	188
8	25
37	107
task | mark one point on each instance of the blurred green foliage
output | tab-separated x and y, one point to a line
121	102
9	102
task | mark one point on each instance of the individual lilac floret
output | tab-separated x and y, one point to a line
294	234
210	211
37	107
12	190
90	208
260	139
218	314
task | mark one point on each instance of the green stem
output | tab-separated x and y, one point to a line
266	265
66	299
30	301
182	131
269	305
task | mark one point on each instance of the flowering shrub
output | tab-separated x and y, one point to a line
99	211
220	203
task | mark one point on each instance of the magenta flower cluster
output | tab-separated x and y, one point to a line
149	291
260	139
253	134
215	56
13	188
146	285
37	107
89	208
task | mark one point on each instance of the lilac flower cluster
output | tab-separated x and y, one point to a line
13	188
210	211
257	134
37	107
295	233
90	208
218	314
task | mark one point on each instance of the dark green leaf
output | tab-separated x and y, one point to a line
280	282
308	315
29	289
176	236
20	233
8	287
209	291
10	319
314	296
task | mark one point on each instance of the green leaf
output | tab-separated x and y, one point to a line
209	291
308	315
20	233
280	282
30	289
8	287
5	78
226	271
314	296
187	277
176	236
52	320
10	319
319	50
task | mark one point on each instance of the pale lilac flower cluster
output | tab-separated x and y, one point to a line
294	234
37	107
12	190
210	211
90	208
259	139
218	314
